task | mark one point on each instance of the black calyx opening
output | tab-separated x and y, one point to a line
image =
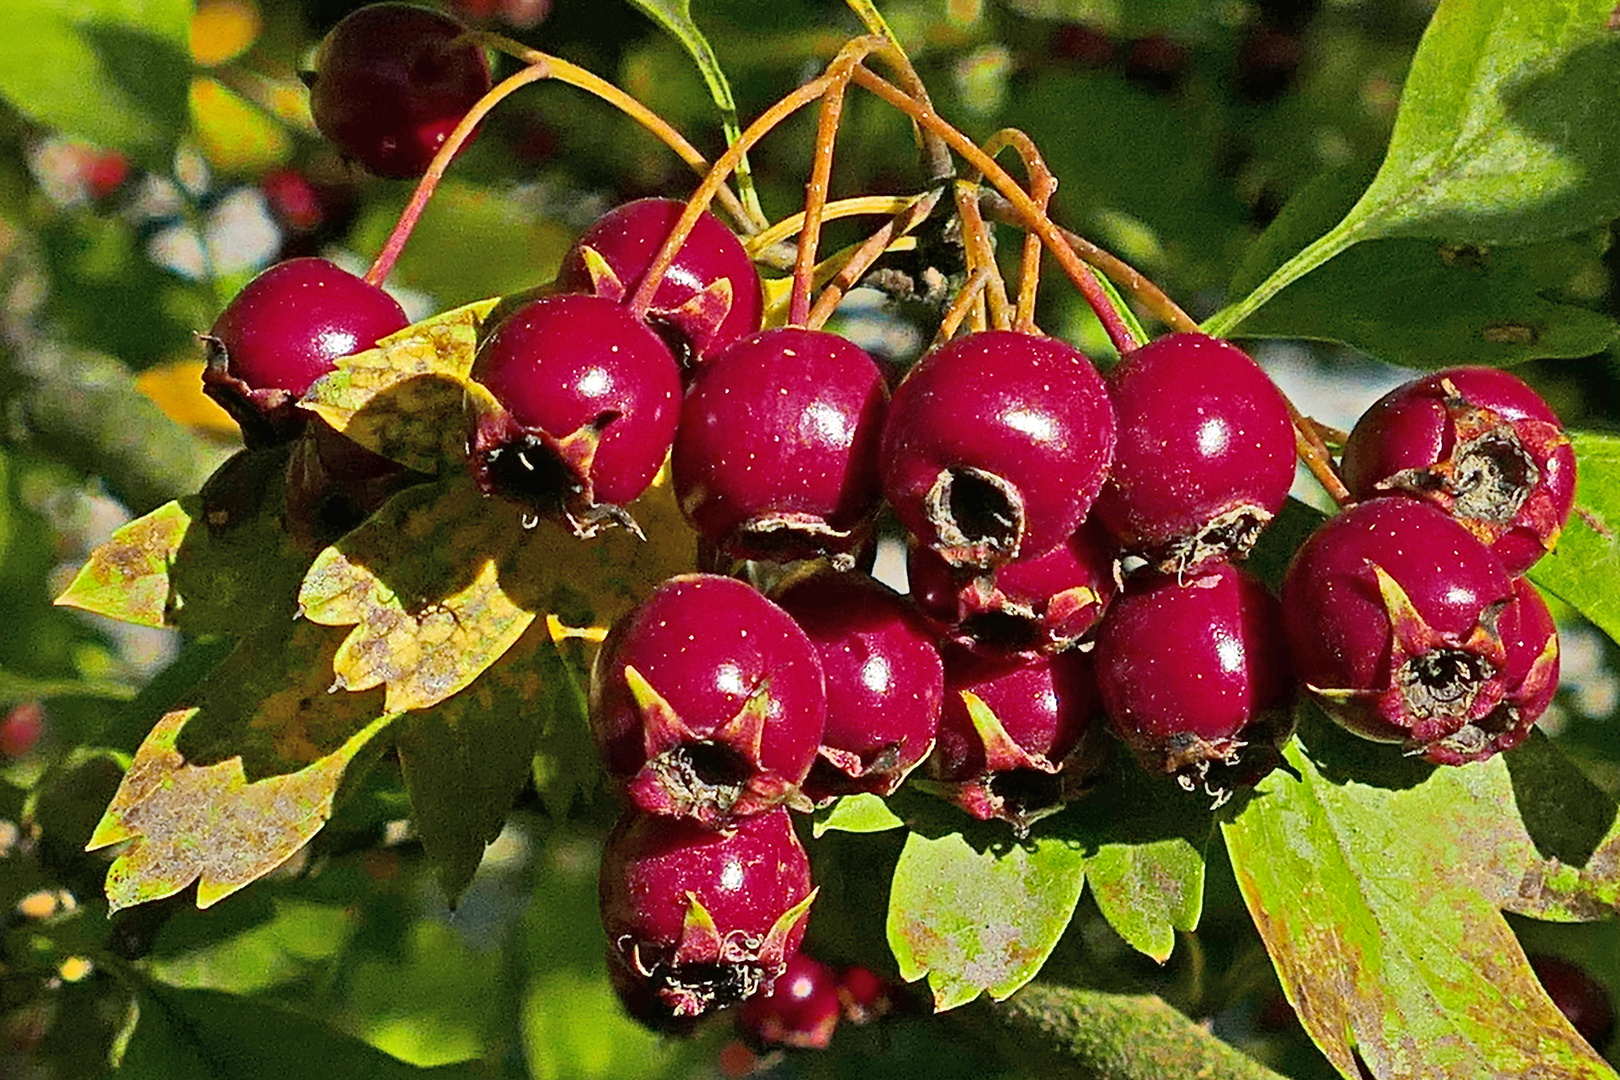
1493	476
1004	631
1024	793
1442	682
979	517
715	765
528	471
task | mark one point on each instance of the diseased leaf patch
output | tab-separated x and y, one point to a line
1584	569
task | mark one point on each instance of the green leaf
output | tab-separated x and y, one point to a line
1581	570
862	813
172	568
1503	136
113	72
465	759
226	789
567	767
210	1035
977	918
442	580
1377	883
405	399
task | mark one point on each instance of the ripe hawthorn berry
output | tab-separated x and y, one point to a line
801	1010
285	329
885	682
588	398
996	444
1392	611
1046	603
1583	1000
21	729
1191	669
775	456
391	82
1478	443
711	295
1205	455
697	919
864	994
1011	733
707	701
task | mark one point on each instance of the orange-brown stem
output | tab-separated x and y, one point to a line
1041	186
981	255
815	195
864	256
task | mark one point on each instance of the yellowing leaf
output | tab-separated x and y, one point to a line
127	578
406	398
176	388
236	136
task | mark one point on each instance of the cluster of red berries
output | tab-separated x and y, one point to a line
1074	545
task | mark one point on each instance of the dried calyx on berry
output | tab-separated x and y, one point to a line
697	920
1478	443
708	702
1394	615
585	399
709	298
996	445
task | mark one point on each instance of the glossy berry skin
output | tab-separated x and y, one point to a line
588	400
1583	1000
698	919
1047	603
1391	610
707	701
1000	755
285	329
1478	443
776	453
1529	678
1205	455
390	84
885	682
711	294
1188	665
801	1010
996	444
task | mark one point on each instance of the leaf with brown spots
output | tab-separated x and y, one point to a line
1584	569
977	918
1378	884
405	398
441	581
226	789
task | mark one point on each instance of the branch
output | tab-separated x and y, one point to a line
1066	1033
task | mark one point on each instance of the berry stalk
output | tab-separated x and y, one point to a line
1041	186
815	198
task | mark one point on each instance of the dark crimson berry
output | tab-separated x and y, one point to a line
391	82
1157	63
707	701
1191	669
1478	443
589	398
1081	43
1529	678
1011	732
1267	63
293	200
1391	610
996	445
711	294
776	453
21	729
1583	1000
334	484
800	1010
1205	455
885	682
697	919
864	994
1045	603
285	329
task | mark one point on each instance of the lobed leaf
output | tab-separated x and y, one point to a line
980	918
567	767
1378	882
226	789
1584	569
406	399
860	813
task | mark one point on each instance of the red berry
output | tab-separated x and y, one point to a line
707	701
285	329
1478	443
697	919
996	445
801	1010
1157	63
1583	1000
1009	728
1391	609
589	398
21	728
885	682
711	294
776	453
864	994
391	82
1045	603
1205	455
1188	667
